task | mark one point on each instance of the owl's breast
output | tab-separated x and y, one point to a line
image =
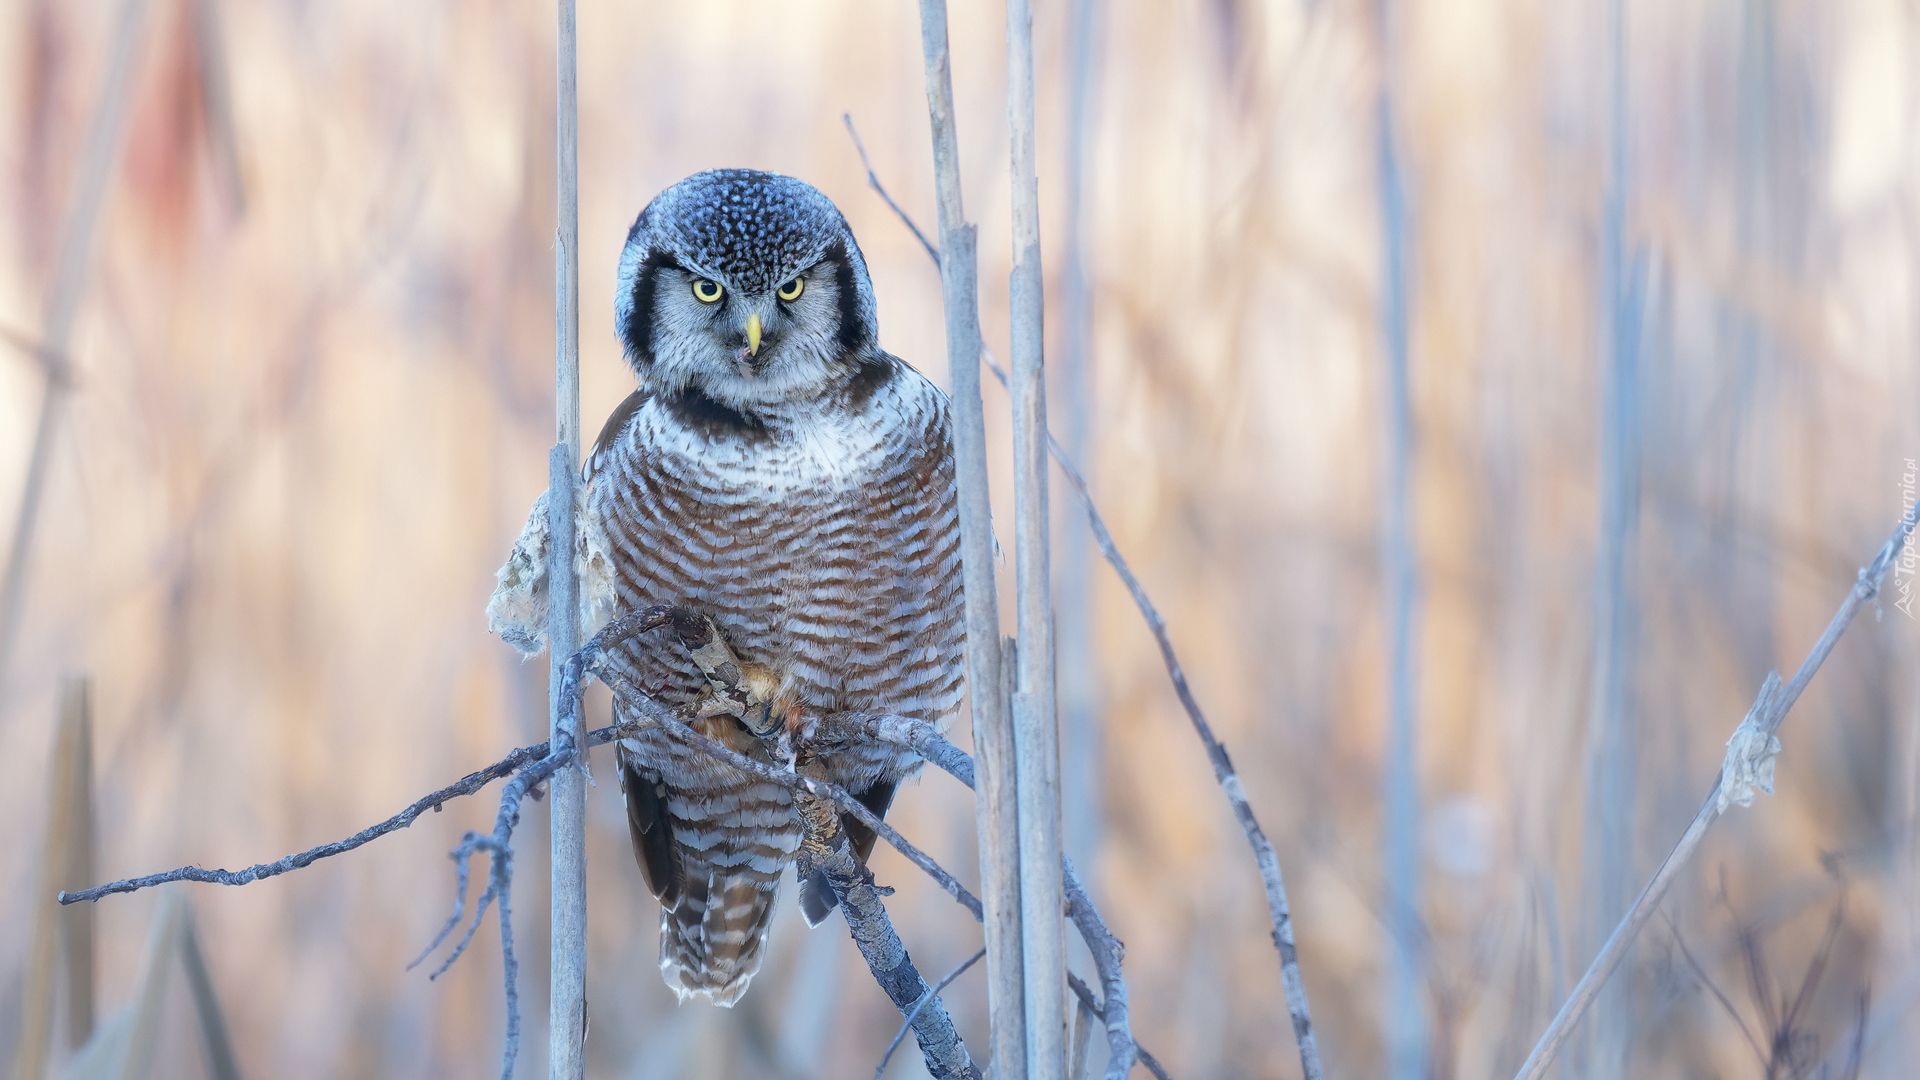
825	546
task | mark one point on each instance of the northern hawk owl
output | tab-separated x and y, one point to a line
781	474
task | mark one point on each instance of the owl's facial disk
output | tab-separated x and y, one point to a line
747	286
743	347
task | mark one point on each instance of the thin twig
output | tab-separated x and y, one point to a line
1087	998
906	1025
528	766
499	892
466	785
1769	710
873	182
1706	980
1107	952
1263	851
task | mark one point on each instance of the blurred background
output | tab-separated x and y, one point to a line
1656	271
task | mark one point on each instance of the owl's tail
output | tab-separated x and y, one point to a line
712	846
712	941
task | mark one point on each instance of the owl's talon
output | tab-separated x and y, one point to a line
760	720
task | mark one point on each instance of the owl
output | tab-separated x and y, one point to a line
780	473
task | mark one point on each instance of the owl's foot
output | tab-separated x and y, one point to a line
736	687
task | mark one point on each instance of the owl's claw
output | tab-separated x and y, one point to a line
760	719
737	688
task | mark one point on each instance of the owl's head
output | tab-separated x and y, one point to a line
745	285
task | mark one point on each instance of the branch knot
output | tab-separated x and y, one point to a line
1750	751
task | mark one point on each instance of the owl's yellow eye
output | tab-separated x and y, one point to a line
707	292
792	289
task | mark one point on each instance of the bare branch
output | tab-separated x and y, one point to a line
1263	851
926	740
530	766
1764	720
906	1025
499	892
824	849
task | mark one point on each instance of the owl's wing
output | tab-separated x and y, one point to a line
518	609
651	829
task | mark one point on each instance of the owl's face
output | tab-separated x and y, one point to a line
747	286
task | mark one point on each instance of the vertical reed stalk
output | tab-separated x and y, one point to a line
567	983
163	944
992	735
98	159
61	938
1405	1011
1036	732
73	785
1611	742
1079	666
214	1039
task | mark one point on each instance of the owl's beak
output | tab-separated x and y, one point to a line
753	333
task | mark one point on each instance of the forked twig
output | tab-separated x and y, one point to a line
1706	980
1087	998
1107	952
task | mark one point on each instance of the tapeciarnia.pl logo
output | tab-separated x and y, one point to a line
1904	566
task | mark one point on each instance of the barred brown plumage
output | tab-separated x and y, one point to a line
796	485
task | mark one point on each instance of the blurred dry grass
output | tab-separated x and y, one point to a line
313	405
